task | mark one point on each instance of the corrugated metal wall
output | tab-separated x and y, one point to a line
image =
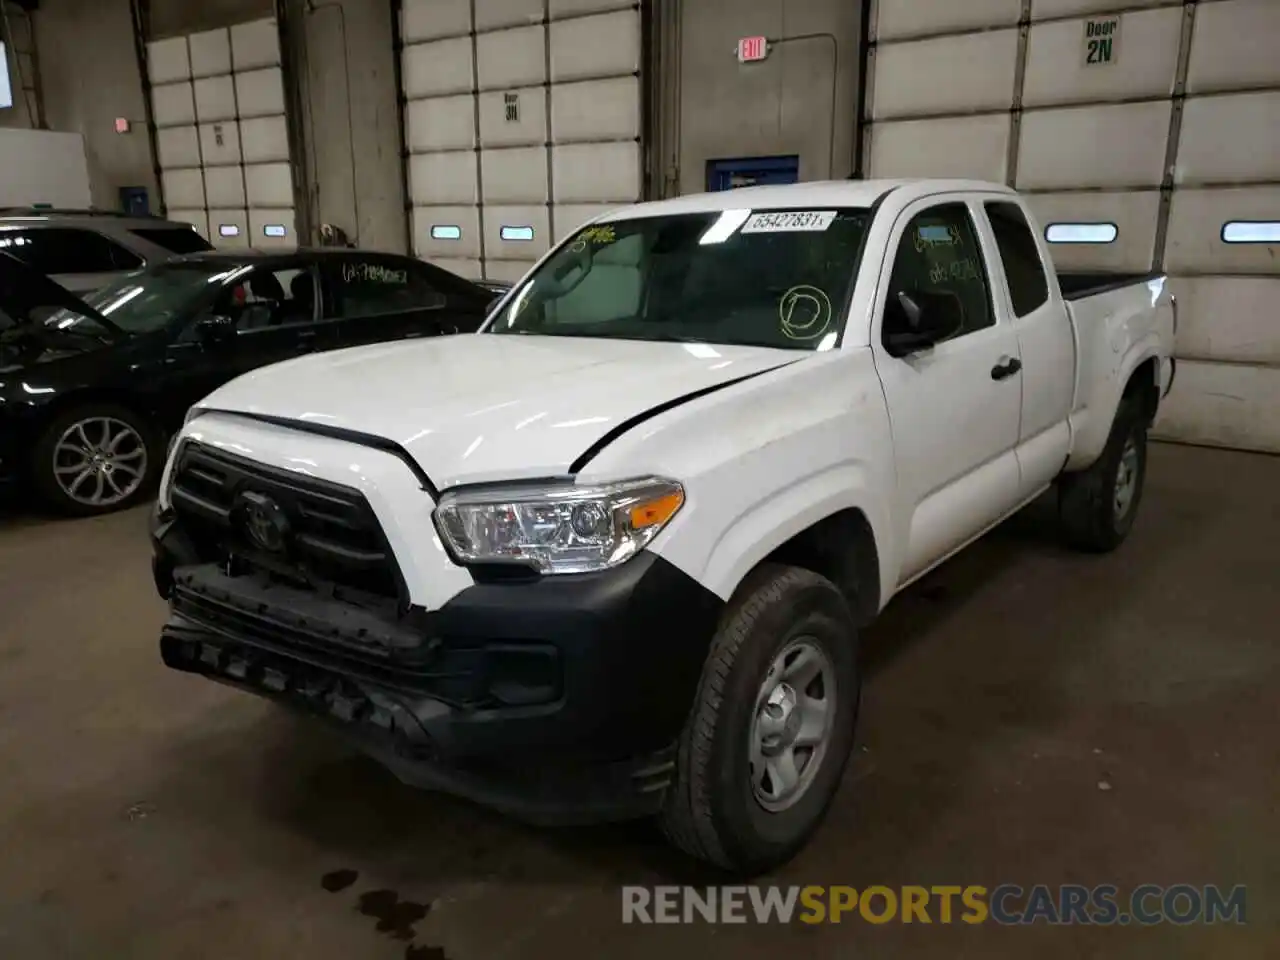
219	109
522	120
1168	135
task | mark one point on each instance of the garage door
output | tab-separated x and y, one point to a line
1144	138
522	120
223	145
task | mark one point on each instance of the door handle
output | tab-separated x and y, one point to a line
1006	368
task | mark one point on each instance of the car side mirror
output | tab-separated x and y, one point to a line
215	328
916	321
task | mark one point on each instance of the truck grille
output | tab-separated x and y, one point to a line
305	529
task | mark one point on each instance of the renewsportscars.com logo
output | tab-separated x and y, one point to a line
1008	904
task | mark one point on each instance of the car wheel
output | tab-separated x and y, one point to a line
1098	506
96	459
772	727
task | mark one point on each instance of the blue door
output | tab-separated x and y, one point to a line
752	171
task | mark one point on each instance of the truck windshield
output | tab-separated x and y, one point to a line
773	278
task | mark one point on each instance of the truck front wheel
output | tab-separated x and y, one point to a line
772	727
1097	506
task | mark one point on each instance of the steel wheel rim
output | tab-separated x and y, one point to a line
791	728
99	461
1126	479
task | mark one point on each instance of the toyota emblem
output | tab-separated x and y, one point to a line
264	522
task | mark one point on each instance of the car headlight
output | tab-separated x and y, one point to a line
557	528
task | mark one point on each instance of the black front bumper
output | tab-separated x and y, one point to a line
556	699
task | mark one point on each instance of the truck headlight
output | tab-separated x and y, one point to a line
557	528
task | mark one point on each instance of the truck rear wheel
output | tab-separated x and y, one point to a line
772	726
1097	506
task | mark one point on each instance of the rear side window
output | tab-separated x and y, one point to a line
53	250
362	288
174	239
1028	286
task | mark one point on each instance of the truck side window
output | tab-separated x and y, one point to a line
939	256
1028	286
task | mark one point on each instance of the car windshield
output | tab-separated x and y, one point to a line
774	278
145	300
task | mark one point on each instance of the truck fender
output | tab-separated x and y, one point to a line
779	515
1092	430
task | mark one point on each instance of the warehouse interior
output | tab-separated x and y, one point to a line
1029	716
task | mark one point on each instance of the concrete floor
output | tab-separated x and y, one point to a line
152	815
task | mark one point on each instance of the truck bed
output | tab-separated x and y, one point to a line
1077	286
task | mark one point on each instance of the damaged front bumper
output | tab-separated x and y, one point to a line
555	701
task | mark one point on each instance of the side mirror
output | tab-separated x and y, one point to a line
215	328
917	321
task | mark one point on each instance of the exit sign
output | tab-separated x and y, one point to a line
752	48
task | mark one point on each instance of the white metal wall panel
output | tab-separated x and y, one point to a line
1224	404
178	147
596	110
220	144
186	187
440	123
433	19
1106	146
530	125
570	216
1057	73
501	148
229	228
215	99
1100	144
1235	46
210	53
1040	9
456	232
495	14
223	186
173	105
936	76
511	58
514	175
1196	219
436	68
1229	318
168	60
960	147
1230	138
897	19
255	44
228	128
264	139
599	172
1134	214
600	46
447	178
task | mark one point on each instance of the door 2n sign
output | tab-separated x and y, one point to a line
1101	40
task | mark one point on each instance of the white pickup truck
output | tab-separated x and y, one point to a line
609	556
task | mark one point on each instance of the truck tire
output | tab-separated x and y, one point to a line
780	681
1097	506
96	459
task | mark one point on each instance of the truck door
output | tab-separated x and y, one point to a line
1045	340
953	407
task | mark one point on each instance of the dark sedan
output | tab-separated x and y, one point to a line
91	389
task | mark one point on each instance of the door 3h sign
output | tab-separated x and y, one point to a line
1101	40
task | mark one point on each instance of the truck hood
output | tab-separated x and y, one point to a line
480	407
